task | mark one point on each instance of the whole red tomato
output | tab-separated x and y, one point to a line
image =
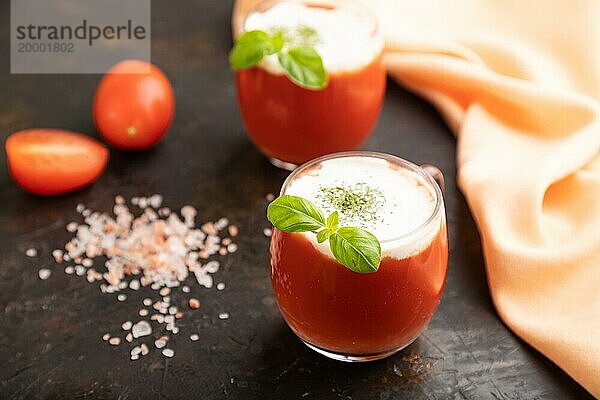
134	105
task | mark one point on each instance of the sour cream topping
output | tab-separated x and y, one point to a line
390	201
346	37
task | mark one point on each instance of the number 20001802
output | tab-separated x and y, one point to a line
45	47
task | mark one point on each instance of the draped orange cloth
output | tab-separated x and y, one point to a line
518	82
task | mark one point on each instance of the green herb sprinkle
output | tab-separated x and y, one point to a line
358	202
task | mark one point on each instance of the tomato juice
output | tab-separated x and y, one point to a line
348	315
292	124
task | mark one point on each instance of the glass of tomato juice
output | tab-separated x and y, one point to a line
352	316
291	124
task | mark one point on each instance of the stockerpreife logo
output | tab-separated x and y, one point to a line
77	36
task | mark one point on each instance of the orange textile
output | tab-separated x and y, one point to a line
518	82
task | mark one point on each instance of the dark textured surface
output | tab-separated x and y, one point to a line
50	331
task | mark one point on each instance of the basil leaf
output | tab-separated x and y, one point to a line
356	249
323	235
304	66
251	47
277	41
295	214
333	221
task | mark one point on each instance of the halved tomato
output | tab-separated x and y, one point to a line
52	161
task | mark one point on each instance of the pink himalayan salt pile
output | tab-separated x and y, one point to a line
157	249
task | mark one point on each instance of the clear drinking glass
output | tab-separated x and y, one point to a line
361	317
291	124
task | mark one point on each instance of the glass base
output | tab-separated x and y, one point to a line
356	357
283	164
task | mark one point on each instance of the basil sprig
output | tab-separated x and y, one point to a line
301	63
354	248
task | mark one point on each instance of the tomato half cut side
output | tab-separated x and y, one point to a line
49	162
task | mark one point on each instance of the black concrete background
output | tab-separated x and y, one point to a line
50	331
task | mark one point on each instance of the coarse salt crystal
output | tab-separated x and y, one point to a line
220	286
268	232
203	278
194	303
44	273
115	341
140	329
127	325
122	297
221	223
168	353
212	266
134	284
194	337
209	229
156	201
31	252
58	255
188	213
159	343
223	316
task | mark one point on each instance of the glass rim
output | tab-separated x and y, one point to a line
264	5
439	199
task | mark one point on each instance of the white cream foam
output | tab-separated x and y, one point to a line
347	38
405	201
